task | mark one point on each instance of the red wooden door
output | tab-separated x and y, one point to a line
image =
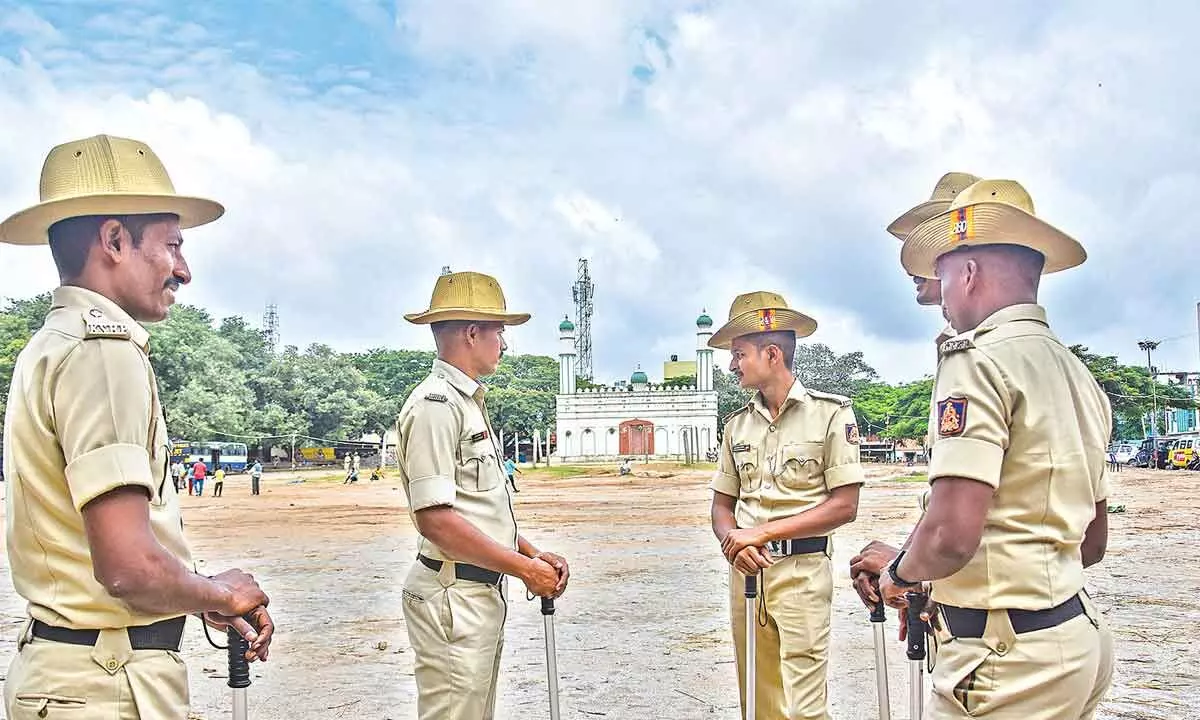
637	437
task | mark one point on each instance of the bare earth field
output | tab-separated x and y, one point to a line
642	630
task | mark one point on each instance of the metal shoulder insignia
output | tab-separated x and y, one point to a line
956	344
97	325
436	397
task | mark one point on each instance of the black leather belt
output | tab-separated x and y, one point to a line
798	546
970	622
162	635
462	571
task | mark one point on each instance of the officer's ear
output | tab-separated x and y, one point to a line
112	236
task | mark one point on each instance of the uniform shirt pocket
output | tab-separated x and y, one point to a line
802	465
478	470
46	705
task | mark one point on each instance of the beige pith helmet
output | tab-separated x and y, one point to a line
761	311
949	186
103	175
989	212
467	296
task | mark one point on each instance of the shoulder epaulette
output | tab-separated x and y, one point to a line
97	325
956	344
739	411
839	399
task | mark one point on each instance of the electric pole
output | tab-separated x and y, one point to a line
1148	346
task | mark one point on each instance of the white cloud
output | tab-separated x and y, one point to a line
691	152
27	24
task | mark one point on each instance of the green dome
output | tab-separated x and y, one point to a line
639	377
704	320
566	325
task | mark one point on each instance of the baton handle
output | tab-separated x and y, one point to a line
751	586
239	668
547	606
877	613
916	626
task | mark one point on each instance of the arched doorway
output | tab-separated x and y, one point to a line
637	437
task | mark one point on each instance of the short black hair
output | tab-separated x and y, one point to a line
785	340
71	239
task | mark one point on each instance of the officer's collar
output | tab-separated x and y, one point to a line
73	297
458	379
798	393
1013	313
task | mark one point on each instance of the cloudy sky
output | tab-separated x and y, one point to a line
690	150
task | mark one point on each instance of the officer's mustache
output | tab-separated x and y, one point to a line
172	285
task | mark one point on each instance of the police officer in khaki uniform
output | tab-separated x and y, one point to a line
872	559
788	476
455	596
95	539
1017	507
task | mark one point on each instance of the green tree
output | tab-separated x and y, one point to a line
820	368
683	381
202	377
730	397
332	394
894	411
521	394
1131	391
392	374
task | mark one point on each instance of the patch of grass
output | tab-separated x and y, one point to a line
565	471
610	468
913	478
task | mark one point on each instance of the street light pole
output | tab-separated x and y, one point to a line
1149	345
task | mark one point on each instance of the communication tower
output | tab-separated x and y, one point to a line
583	291
271	326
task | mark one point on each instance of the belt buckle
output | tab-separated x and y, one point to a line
778	547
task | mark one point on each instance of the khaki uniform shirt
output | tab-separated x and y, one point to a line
782	467
1018	411
83	419
448	456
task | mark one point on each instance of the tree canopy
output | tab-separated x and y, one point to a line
221	380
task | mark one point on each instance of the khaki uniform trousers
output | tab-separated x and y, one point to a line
48	680
1060	673
456	628
791	649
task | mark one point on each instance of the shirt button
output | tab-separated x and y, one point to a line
111	664
772	428
1001	648
766	486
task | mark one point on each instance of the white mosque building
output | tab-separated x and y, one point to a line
639	419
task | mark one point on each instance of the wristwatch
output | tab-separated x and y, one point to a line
895	576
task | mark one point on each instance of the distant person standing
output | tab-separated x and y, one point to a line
199	472
510	467
346	467
255	477
219	481
177	472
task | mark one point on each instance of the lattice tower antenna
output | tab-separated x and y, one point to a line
583	291
271	326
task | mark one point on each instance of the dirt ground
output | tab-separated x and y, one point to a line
642	630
